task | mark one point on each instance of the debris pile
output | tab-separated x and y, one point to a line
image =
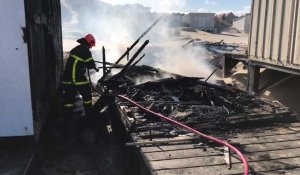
192	101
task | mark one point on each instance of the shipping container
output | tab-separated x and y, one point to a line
275	35
31	64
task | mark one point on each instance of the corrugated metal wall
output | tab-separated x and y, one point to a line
44	39
275	33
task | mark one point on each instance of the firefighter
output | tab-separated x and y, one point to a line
74	80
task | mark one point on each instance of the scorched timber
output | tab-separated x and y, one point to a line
195	102
258	127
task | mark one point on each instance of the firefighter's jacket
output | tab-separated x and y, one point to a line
79	59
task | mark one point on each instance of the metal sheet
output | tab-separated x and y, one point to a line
275	33
296	38
15	97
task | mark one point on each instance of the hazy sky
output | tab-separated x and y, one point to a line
217	6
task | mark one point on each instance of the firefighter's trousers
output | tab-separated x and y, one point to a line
70	92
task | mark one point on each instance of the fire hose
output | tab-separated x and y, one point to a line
244	160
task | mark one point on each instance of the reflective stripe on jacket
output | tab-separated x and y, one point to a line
79	60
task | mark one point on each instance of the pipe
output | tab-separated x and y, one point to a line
244	160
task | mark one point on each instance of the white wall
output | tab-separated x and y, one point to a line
243	24
239	24
15	97
201	21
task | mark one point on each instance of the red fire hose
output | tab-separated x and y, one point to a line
244	160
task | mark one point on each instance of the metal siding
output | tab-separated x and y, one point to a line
268	30
261	26
275	32
251	24
286	32
294	31
296	54
255	19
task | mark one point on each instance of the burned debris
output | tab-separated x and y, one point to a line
218	110
221	111
195	102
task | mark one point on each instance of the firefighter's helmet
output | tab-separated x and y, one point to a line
90	39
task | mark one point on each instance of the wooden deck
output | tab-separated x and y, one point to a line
260	128
270	150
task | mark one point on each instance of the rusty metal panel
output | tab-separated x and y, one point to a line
275	33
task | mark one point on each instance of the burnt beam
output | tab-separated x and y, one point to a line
253	78
228	64
104	61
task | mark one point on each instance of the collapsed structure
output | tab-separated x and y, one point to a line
221	111
255	126
218	110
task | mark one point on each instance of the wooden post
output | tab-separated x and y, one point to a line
227	157
128	53
104	61
253	78
227	64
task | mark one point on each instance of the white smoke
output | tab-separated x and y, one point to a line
117	26
188	61
161	6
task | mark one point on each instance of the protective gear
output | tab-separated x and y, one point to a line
70	94
90	39
79	59
74	79
96	69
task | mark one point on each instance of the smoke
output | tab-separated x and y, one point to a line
140	80
188	61
161	6
116	27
